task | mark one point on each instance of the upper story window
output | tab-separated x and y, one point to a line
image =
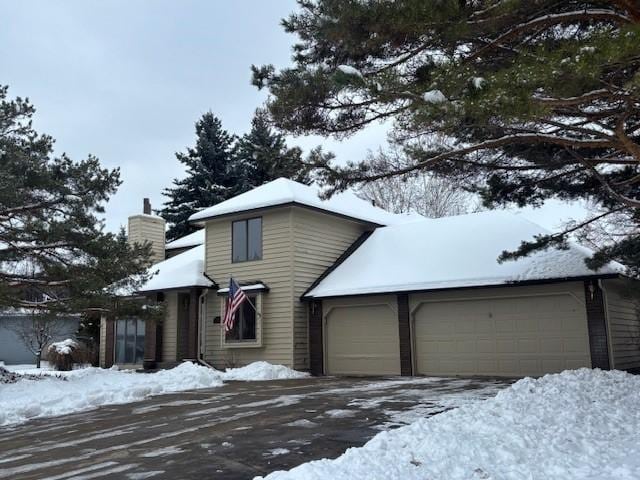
246	240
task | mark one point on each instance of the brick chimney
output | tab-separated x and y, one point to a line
146	227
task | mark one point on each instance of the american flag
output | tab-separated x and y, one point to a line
234	300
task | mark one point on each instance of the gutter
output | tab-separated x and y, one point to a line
202	309
523	283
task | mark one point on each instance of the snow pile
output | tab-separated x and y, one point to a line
7	376
89	388
65	347
92	387
434	96
580	424
258	371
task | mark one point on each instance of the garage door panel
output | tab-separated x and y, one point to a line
553	346
362	340
526	324
503	325
512	336
573	345
485	346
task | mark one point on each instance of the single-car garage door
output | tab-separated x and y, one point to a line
516	336
362	340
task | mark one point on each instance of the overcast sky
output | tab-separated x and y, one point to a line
126	80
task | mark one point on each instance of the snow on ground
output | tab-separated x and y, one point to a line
581	424
274	452
88	388
340	413
262	371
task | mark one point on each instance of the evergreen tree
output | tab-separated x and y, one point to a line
211	177
262	155
525	100
55	257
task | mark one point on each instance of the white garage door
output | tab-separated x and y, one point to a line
503	336
362	340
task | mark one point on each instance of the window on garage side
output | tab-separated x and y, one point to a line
246	241
244	329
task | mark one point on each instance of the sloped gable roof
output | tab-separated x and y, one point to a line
283	191
452	252
191	240
184	270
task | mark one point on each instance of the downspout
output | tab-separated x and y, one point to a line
605	301
202	315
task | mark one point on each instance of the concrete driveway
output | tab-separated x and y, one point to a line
234	432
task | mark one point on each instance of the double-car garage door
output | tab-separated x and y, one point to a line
495	335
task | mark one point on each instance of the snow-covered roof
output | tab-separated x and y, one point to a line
451	252
284	191
191	240
184	270
245	288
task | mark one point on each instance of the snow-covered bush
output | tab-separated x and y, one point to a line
62	355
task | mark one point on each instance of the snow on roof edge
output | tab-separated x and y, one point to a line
282	191
183	270
190	240
391	260
452	285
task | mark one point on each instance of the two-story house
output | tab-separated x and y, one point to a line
339	286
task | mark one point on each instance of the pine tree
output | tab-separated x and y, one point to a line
524	100
55	257
262	155
211	176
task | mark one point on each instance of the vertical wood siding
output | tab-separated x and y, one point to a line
623	310
170	328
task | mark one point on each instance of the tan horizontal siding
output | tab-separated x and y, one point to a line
148	229
275	269
319	240
623	313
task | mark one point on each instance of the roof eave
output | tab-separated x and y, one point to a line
515	283
172	289
251	211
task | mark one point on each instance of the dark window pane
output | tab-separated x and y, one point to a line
244	327
239	236
255	238
139	341
131	340
249	320
234	333
120	327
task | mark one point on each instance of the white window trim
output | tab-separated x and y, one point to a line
244	343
